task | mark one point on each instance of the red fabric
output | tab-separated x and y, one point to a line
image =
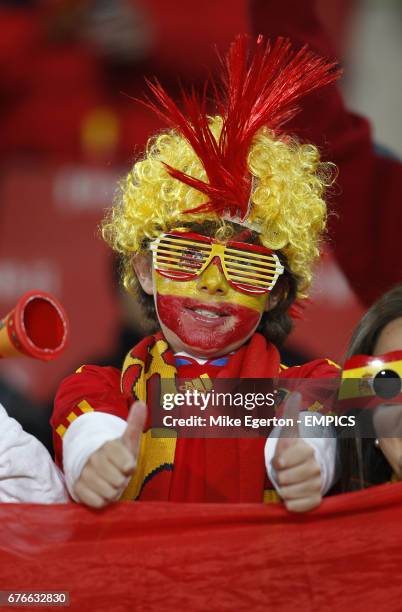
231	469
153	556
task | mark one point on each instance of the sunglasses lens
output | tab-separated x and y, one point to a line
252	271
179	257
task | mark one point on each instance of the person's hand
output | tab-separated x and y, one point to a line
297	471
387	422
108	470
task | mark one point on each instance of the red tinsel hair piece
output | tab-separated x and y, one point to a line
262	92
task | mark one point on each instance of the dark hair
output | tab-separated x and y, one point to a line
382	312
363	464
276	324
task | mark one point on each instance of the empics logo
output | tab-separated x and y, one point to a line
325	420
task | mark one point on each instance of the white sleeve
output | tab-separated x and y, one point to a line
27	472
324	445
85	435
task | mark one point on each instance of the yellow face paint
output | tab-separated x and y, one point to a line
211	287
206	316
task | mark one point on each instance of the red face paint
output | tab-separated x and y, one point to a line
205	325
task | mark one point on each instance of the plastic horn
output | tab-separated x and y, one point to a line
37	327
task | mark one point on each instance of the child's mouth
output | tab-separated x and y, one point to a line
203	324
208	313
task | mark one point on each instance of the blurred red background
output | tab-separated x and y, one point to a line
71	127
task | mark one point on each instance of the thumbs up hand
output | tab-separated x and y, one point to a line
108	470
297	471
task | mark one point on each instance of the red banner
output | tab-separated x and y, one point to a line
150	556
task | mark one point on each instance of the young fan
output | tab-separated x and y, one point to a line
218	227
373	370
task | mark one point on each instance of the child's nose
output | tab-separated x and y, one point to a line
212	280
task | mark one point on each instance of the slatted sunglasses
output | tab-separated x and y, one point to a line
247	267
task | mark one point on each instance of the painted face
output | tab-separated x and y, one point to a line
372	380
389	420
207	315
377	379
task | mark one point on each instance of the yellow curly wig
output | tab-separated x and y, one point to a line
287	205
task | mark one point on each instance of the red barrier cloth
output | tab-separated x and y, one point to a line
153	556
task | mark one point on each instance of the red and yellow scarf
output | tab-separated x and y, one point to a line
197	469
